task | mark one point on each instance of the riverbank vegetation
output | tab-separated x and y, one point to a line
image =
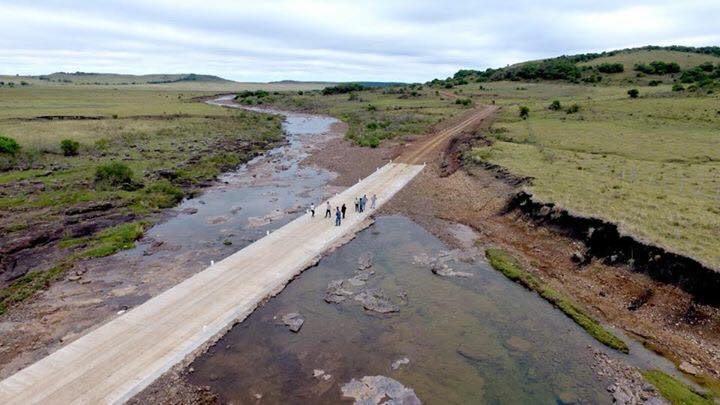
506	264
83	169
674	390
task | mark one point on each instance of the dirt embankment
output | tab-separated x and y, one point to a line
661	314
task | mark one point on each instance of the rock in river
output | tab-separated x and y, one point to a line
335	292
399	363
375	300
293	321
365	261
371	390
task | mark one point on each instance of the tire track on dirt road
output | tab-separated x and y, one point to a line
420	152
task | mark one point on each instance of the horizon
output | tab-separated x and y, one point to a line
331	42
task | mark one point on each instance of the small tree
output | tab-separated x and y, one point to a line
8	145
555	105
633	93
524	112
69	147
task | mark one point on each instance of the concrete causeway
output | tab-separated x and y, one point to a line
117	360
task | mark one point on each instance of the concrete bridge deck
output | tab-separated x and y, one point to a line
120	358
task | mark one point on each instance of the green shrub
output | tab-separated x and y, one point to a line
343	88
573	109
114	174
370	140
633	93
658	68
695	74
555	105
524	112
69	147
8	145
463	101
678	87
610	67
654	83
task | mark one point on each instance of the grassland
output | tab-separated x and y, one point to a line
378	114
651	164
675	391
503	262
171	143
686	60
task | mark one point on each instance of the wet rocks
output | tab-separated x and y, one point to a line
378	389
629	386
155	247
218	219
365	261
374	300
399	363
256	222
439	264
189	211
335	292
442	269
293	321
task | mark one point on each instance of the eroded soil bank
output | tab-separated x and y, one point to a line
669	319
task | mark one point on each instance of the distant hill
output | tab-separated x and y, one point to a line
646	65
181	81
126	79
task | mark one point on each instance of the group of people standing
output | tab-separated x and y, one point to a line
360	204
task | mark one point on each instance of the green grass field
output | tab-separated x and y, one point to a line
147	131
379	114
686	60
650	164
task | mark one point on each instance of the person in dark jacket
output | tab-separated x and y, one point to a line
343	209
338	216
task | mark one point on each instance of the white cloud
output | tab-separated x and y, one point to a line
331	40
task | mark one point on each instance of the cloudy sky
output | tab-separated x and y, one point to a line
264	40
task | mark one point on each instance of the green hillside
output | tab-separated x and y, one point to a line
697	67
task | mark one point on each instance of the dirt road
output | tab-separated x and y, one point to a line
424	149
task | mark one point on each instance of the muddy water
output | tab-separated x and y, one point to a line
469	340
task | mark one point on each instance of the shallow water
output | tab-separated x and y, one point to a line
262	195
469	340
